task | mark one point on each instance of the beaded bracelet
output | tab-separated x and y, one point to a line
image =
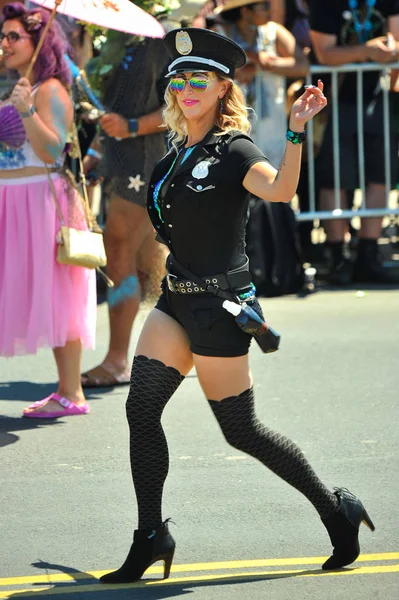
295	137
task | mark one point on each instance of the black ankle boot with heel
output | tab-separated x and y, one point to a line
343	529
149	546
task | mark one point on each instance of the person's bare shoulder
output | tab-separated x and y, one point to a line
53	93
51	86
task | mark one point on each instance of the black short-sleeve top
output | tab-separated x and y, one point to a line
334	17
201	209
136	88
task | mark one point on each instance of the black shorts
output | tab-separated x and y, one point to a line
374	153
211	329
128	164
123	188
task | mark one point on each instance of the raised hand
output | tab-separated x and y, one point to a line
307	106
21	95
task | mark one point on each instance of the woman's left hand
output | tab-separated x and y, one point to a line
21	95
307	106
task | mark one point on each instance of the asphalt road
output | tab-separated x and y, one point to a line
67	504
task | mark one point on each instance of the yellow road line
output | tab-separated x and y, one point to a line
188	568
255	575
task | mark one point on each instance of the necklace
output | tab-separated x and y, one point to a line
362	29
157	188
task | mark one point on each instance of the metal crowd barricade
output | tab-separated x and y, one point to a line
338	212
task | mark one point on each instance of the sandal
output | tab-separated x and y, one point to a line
104	375
69	409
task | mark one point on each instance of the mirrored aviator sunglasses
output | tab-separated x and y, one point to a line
197	83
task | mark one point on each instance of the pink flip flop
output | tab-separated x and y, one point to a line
69	408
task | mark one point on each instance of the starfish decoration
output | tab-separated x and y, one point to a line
135	183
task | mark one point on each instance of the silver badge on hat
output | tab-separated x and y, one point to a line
184	44
201	170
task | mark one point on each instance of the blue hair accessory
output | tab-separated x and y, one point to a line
128	288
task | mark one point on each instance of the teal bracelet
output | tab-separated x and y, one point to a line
94	153
296	138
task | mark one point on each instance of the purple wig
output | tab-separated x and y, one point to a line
50	61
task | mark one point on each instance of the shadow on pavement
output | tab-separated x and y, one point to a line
10	424
26	391
29	391
80	588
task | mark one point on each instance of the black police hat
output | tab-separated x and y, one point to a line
193	49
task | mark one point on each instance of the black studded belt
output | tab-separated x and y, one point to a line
232	280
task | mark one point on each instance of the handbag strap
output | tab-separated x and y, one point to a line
84	196
82	178
53	193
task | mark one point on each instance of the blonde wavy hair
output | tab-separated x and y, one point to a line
233	117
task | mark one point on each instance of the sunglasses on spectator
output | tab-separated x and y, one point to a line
198	83
12	37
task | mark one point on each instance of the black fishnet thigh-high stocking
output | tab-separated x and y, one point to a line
242	429
151	387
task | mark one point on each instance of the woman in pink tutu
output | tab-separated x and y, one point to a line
42	303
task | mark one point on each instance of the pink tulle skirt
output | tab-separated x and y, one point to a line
42	303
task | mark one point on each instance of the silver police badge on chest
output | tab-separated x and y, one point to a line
201	170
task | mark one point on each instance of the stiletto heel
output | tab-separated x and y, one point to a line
367	521
149	546
343	529
167	564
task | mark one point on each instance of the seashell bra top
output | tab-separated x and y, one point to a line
24	156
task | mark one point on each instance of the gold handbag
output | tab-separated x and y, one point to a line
78	247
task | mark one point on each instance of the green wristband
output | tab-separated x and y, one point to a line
296	138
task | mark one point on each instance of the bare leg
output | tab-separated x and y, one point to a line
375	198
371	228
335	229
69	360
164	339
128	226
221	377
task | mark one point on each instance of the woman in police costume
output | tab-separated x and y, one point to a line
198	201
